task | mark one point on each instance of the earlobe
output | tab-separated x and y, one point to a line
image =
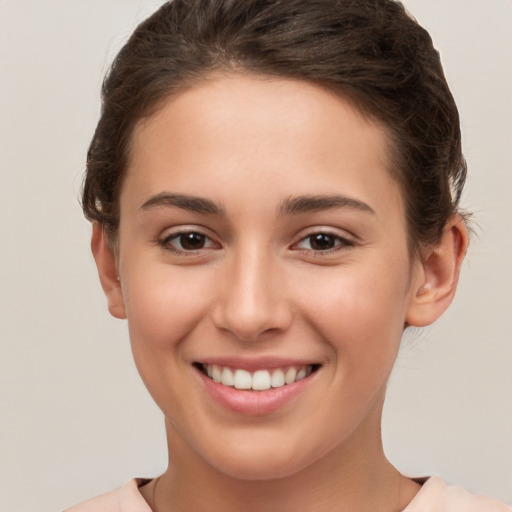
436	281
107	271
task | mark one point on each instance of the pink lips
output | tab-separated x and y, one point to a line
253	403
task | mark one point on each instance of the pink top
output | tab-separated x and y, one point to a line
434	496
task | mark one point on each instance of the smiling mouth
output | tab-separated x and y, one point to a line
259	380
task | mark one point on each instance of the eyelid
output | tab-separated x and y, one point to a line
164	240
346	242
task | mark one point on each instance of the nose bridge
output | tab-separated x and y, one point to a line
253	300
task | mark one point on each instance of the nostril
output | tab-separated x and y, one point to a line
251	301
249	322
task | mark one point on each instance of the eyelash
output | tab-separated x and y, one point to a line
340	243
166	244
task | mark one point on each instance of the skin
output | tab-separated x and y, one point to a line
260	287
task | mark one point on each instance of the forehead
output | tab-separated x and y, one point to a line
246	132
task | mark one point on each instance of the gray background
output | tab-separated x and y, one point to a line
75	419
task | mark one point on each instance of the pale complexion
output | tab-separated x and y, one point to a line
299	255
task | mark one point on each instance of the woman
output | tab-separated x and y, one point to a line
274	191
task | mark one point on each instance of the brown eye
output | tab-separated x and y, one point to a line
322	242
187	241
192	241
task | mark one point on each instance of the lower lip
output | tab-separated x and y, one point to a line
254	403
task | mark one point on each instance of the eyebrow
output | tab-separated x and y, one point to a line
190	203
315	203
290	206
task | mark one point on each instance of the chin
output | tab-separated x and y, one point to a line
258	461
261	470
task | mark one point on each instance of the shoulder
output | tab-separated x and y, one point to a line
125	499
437	496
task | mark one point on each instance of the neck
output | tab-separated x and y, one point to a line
356	477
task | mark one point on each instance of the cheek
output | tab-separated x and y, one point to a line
162	310
162	306
359	315
360	309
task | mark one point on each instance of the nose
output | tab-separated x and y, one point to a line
252	302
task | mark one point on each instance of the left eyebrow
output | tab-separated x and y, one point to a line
315	203
185	202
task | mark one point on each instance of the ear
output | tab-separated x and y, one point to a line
107	271
436	279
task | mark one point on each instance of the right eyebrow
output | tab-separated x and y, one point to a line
185	202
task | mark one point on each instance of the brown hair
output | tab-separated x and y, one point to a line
371	51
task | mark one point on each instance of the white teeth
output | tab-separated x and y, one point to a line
301	374
227	378
216	375
290	375
277	379
260	380
243	379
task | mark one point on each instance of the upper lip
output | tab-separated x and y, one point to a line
256	363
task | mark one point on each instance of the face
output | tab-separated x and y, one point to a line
263	245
